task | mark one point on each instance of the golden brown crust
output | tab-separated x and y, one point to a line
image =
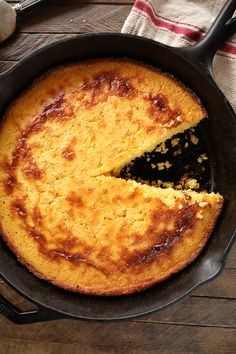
149	207
61	213
118	291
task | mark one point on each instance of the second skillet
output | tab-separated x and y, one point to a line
193	67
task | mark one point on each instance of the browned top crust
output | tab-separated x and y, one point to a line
62	214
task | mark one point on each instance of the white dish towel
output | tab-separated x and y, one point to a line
183	23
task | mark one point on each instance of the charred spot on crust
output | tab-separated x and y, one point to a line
18	208
68	244
9	184
52	110
37	216
5	164
75	200
164	240
68	153
103	253
105	84
57	106
134	194
62	248
36	235
120	87
158	102
160	111
32	171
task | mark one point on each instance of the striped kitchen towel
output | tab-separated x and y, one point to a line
183	23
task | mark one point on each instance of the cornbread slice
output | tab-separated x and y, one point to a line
106	235
95	117
63	214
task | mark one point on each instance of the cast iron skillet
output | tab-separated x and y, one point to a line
193	67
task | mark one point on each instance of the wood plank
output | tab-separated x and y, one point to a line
4	65
195	311
74	18
33	347
112	2
36	347
21	45
223	286
231	257
68	336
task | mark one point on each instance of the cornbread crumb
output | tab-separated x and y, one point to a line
168	164
161	148
175	141
177	152
199	159
192	183
161	166
204	157
194	139
168	184
203	204
199	215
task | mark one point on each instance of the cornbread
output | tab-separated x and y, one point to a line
64	211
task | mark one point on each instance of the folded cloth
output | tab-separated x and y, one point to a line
183	23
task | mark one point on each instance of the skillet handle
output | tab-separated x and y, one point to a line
222	28
12	313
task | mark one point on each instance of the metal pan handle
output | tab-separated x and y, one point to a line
222	28
41	314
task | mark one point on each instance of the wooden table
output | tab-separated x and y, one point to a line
202	323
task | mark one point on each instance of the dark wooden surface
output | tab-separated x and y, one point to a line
204	322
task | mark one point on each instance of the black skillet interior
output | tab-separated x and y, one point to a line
220	136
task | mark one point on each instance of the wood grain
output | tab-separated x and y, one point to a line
4	65
111	2
74	18
121	337
223	286
231	257
20	45
193	311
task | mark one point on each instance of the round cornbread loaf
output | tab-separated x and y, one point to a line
64	213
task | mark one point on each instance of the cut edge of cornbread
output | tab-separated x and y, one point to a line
115	171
